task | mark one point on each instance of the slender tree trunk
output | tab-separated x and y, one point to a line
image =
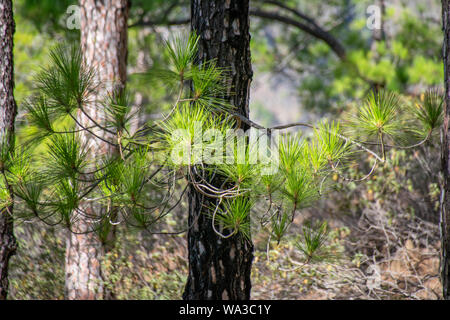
220	268
378	35
8	112
104	46
445	204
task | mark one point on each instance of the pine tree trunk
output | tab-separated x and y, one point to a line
445	205
104	46
8	112
219	269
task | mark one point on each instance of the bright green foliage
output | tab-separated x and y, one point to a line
5	197
234	215
45	15
67	192
291	151
182	134
300	187
210	83
384	116
19	166
118	110
38	115
239	168
312	241
297	174
30	191
280	225
67	83
31	45
139	183
430	111
182	51
314	156
379	115
329	135
142	182
128	179
67	156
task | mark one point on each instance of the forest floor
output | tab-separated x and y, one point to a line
378	258
376	255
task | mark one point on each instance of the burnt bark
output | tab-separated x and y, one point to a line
445	197
8	112
219	269
104	46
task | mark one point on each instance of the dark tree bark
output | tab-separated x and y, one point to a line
104	47
8	112
219	269
445	205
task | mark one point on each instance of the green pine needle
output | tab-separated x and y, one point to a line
234	215
312	242
182	51
66	82
67	157
379	116
430	111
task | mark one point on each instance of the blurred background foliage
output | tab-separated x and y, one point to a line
297	77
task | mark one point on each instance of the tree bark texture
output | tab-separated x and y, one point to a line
104	46
219	269
8	112
445	199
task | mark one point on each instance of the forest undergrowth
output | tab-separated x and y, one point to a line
381	242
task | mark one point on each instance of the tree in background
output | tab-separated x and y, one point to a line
220	268
8	112
388	58
104	48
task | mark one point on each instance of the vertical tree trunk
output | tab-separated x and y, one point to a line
104	46
8	112
445	205
220	268
378	35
